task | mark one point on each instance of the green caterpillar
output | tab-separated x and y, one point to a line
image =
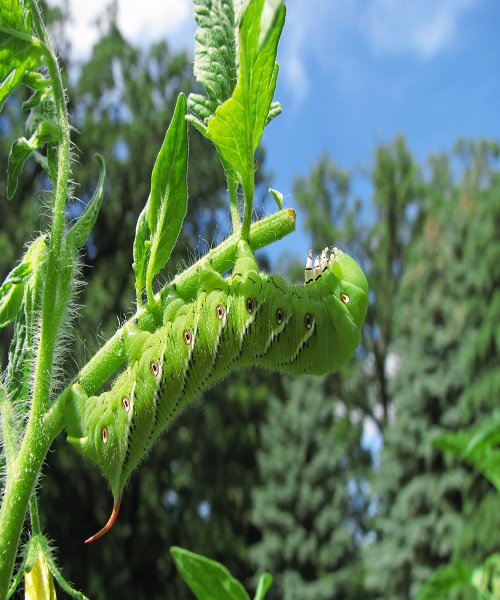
246	319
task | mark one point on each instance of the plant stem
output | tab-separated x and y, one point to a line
10	434
232	187
248	191
35	517
18	490
53	310
38	436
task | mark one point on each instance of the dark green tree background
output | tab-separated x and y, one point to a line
311	503
430	351
446	342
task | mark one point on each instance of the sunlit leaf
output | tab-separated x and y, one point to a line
79	232
46	132
237	127
167	204
19	54
207	579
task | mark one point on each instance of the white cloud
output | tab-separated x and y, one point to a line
421	28
152	20
140	22
340	34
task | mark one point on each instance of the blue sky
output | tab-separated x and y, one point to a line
354	74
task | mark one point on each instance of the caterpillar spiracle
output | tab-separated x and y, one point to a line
248	318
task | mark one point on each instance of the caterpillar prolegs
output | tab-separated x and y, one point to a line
248	318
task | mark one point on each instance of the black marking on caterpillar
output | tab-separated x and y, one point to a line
245	319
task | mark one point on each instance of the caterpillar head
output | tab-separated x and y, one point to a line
342	285
352	285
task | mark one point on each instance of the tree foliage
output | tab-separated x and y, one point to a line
429	501
430	350
311	503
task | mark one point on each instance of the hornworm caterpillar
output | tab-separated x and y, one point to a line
246	319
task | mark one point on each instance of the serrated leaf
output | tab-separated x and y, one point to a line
46	132
202	111
265	582
142	245
237	127
207	579
19	54
167	204
444	580
12	290
79	232
14	16
215	65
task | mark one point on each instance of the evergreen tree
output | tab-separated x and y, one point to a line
310	504
379	244
377	235
425	498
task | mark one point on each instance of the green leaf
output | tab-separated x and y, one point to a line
237	127
215	58
142	245
46	132
11	298
264	585
20	53
444	580
167	204
12	290
207	579
278	197
42	89
77	234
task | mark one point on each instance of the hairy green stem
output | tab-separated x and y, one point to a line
53	310
262	233
26	37
18	490
248	191
35	517
9	429
38	437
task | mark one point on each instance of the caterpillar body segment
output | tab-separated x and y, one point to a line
246	319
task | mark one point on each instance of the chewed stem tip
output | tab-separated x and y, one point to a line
109	524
